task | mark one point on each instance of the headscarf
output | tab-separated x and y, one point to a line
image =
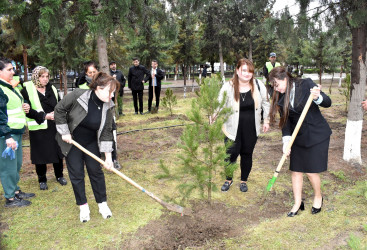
36	76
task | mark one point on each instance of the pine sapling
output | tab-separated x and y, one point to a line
203	149
169	100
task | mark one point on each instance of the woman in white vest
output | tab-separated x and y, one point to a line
43	97
246	96
12	125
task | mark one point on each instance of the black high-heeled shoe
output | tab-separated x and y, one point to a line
317	210
292	214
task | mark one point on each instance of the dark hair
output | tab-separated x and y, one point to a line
236	83
89	64
135	58
155	61
103	80
3	62
112	62
280	73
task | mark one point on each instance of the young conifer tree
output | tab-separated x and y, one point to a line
169	100
202	142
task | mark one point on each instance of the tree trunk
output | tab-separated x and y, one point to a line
102	54
176	72
221	58
101	42
64	78
25	62
353	131
250	49
340	79
331	83
212	66
184	77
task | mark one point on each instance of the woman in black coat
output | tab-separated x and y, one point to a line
43	97
309	152
86	116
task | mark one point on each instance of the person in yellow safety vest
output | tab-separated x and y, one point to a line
267	68
90	69
12	126
43	97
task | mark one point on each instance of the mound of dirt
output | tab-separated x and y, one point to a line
207	223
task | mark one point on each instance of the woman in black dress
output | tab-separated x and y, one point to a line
43	97
246	96
309	152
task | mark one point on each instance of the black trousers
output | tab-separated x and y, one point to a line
75	162
138	94
157	94
41	170
245	150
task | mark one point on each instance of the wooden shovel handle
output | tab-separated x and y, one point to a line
294	134
115	170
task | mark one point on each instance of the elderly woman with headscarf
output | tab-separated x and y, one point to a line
43	97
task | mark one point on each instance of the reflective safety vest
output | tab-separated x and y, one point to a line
84	86
36	105
269	66
16	115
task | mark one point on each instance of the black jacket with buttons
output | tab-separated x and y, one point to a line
136	77
315	128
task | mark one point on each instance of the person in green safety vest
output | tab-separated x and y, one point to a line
267	68
90	69
43	97
12	126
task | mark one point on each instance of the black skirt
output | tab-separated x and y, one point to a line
310	160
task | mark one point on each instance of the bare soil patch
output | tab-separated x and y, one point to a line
207	223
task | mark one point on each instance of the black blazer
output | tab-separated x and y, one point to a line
159	76
315	128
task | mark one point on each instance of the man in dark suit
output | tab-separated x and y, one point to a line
137	76
156	76
117	74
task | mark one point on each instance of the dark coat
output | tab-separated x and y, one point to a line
44	147
315	128
72	110
159	76
136	77
121	78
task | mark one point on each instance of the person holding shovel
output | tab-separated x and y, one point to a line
86	116
309	152
246	96
155	80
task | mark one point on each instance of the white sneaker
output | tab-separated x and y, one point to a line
84	213
104	210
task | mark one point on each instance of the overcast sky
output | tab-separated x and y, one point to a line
292	5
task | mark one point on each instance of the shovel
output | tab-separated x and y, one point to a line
154	109
295	132
172	207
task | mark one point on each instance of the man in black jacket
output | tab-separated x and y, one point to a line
138	74
117	74
156	76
